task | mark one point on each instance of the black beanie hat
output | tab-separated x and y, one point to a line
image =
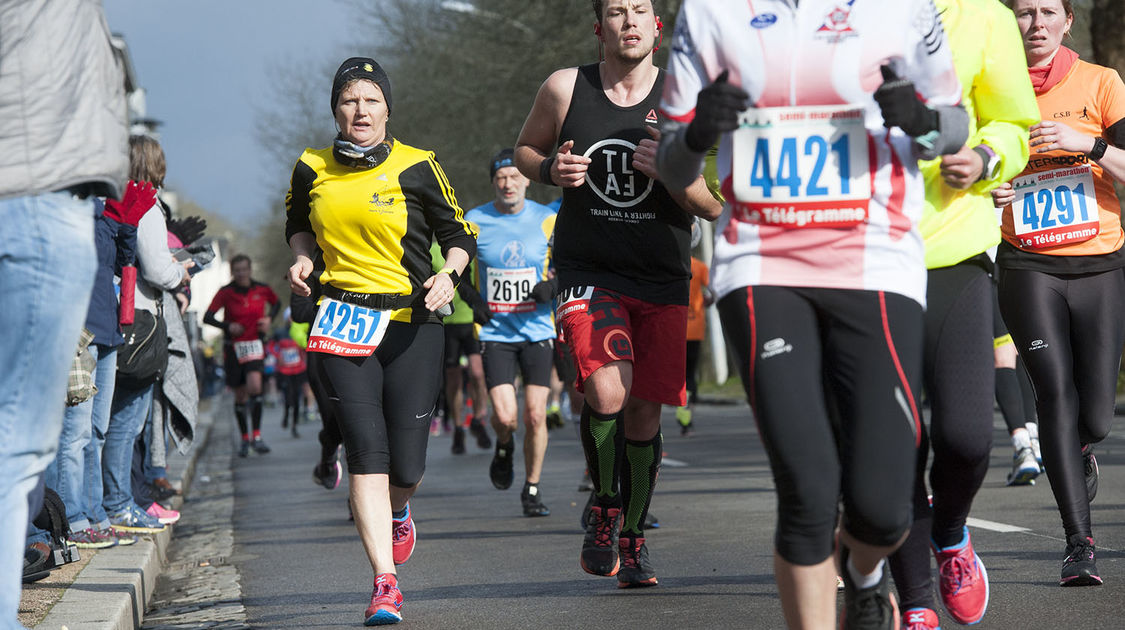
360	68
500	160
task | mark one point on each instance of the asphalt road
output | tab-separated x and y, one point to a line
480	564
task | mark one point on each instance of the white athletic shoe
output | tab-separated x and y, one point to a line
1024	468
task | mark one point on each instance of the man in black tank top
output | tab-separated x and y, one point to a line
621	251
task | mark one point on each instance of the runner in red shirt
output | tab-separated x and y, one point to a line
248	306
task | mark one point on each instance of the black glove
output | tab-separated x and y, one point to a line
481	314
901	106
716	111
188	229
544	291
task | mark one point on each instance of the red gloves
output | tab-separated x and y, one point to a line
138	198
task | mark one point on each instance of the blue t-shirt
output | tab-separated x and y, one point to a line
513	254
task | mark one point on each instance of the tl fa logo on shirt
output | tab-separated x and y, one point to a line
611	174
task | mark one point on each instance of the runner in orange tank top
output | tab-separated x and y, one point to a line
1061	288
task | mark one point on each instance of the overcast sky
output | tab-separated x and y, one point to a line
207	67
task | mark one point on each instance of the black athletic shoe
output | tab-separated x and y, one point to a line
1078	568
477	428
293	431
585	517
260	446
651	521
1090	465
636	570
873	608
458	447
599	546
500	470
244	450
533	502
328	473
586	484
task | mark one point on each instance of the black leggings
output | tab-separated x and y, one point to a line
833	378
1069	329
958	380
383	402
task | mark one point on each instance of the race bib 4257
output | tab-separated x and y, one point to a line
347	330
801	167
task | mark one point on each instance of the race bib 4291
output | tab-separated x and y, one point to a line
347	330
801	167
1055	208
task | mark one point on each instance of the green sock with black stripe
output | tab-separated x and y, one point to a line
603	441
639	470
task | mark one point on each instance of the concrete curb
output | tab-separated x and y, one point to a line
112	591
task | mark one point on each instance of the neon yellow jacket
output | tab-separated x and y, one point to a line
988	55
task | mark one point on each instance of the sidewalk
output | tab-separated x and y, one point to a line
115	586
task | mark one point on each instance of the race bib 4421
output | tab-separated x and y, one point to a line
801	167
347	330
1056	207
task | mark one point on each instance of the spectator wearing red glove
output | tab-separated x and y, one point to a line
158	271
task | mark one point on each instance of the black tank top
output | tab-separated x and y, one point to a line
620	230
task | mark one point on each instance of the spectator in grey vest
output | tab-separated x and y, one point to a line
62	142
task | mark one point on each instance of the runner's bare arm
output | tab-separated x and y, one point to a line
540	135
695	199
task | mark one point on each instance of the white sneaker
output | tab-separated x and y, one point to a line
1024	468
1033	432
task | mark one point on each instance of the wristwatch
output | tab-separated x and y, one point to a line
989	159
1098	151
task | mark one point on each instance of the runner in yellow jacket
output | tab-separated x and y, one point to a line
959	226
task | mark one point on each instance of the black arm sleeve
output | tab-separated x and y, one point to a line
298	200
209	318
1115	134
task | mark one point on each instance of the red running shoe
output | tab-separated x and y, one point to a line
386	602
962	582
920	619
403	536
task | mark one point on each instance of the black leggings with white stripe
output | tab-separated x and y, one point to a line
833	378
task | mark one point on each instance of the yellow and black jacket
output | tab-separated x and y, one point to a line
375	225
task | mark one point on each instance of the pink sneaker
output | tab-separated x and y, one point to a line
963	582
920	619
403	537
166	517
386	602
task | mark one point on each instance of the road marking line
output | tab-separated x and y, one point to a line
994	526
674	463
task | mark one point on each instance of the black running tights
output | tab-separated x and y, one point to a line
383	402
958	380
1069	329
